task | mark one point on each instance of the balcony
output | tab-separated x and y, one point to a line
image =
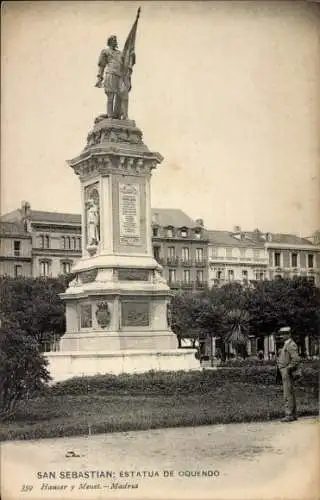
240	260
172	261
186	262
187	285
200	263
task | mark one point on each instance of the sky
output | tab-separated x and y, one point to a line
227	92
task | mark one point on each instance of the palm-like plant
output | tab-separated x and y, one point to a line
237	321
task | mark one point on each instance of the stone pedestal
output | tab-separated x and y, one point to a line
118	300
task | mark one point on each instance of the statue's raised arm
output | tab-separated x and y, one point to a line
115	70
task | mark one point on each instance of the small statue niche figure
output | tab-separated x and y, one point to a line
92	223
115	70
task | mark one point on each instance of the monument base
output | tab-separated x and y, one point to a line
66	365
155	340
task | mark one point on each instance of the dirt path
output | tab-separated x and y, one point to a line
236	461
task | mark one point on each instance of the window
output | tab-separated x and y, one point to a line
199	276
63	241
184	232
244	274
242	253
17	248
44	241
172	275
277	259
219	274
156	253
199	254
185	254
17	271
68	242
44	268
259	275
230	274
294	260
169	232
186	276
66	267
310	260
214	252
171	252
74	243
78	243
228	252
155	231
256	254
197	235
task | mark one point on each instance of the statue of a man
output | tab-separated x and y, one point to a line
92	222
110	67
115	70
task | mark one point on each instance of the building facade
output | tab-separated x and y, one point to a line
254	256
54	239
234	256
180	245
291	256
38	243
15	250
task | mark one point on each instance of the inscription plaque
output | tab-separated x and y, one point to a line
129	212
133	275
135	313
86	316
88	276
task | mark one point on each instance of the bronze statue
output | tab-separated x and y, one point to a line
115	70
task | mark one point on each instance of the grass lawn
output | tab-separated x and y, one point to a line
71	415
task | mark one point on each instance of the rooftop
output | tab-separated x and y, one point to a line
172	217
227	238
164	216
12	228
255	239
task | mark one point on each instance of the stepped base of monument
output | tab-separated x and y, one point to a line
159	340
66	365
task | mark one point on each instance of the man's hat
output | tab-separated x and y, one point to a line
285	329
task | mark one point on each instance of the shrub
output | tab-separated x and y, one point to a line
174	383
22	368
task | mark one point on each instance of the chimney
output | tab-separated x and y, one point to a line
26	215
25	209
199	222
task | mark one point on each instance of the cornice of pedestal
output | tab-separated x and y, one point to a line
113	147
115	288
103	261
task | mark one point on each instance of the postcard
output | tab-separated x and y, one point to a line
160	250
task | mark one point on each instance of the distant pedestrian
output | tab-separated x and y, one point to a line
260	355
288	363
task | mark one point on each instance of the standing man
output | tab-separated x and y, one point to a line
288	361
115	70
110	64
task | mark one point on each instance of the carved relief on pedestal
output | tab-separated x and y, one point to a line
103	314
133	274
135	313
85	316
116	134
158	278
92	217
